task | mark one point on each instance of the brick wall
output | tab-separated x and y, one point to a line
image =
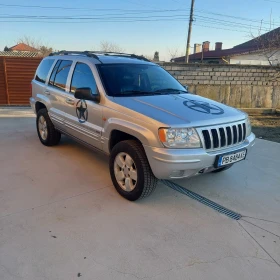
242	86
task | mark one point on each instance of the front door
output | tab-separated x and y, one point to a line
83	118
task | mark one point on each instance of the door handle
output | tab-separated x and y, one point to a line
47	92
70	101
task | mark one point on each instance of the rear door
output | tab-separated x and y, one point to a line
57	92
39	81
83	118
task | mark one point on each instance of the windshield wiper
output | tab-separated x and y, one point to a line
170	90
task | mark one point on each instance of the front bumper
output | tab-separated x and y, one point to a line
179	163
32	104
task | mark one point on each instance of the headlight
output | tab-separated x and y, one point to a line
179	137
248	127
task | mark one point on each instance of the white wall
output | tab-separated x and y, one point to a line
256	59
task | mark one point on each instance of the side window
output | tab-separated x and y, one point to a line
83	77
43	70
51	80
60	73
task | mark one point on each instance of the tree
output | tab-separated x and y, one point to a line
106	46
6	49
156	56
43	49
175	53
268	45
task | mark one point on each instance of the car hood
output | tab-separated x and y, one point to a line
178	109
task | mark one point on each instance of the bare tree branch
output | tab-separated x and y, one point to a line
107	46
268	44
43	49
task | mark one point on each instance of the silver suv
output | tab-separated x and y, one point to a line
136	112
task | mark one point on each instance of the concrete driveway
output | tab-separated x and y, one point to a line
60	217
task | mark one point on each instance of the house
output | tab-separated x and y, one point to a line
21	50
262	50
21	47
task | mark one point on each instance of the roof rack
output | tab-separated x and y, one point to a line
86	53
121	54
95	54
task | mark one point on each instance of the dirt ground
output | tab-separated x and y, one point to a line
266	127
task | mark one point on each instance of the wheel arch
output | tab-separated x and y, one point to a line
119	130
39	105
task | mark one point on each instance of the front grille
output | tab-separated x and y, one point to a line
223	136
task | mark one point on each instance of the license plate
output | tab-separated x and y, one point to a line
230	158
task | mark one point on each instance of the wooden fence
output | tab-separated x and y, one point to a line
16	74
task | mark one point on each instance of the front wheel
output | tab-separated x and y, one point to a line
130	170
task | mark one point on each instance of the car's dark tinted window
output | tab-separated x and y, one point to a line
60	74
137	79
51	80
43	70
83	77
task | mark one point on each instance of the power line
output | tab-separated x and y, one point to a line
226	22
76	8
138	12
207	26
110	18
134	11
145	16
272	1
235	17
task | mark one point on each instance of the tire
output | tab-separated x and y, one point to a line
51	137
131	152
222	169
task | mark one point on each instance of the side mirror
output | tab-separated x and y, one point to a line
187	88
86	94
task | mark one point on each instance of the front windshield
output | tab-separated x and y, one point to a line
138	79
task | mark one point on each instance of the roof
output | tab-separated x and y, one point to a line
247	47
21	47
19	54
253	44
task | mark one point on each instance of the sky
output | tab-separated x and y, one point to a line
137	26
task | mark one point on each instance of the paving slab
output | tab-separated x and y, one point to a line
60	217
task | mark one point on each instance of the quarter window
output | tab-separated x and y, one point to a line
83	77
43	70
60	73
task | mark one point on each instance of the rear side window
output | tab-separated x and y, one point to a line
60	73
83	77
43	70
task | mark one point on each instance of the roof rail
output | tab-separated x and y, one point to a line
86	53
123	55
95	54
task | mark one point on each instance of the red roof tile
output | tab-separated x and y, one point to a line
23	47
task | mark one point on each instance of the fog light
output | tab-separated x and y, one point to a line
177	173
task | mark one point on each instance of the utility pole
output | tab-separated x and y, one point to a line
189	33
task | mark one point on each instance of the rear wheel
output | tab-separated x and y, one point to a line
222	169
47	133
130	170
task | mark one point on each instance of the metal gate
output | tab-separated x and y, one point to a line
16	74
